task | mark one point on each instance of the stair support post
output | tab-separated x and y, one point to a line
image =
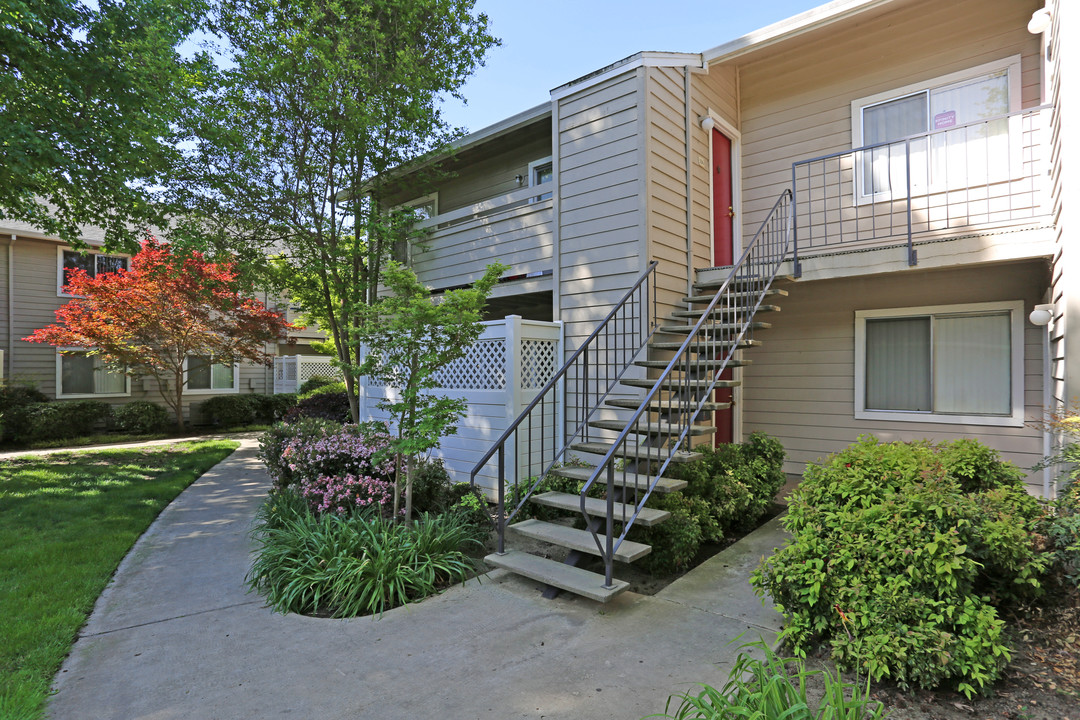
609	557
500	518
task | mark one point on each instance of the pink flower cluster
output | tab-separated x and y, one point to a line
340	494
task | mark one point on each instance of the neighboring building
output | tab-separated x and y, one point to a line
924	148
32	271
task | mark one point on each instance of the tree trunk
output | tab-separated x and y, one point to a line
410	469
179	379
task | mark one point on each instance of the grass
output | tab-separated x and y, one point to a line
66	521
115	438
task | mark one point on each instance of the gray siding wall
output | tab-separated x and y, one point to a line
800	387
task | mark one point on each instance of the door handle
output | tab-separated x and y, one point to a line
730	211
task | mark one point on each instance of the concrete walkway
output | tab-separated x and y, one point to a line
177	636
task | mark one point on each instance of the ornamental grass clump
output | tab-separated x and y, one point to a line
902	555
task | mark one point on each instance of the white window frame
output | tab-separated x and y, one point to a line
61	249
433	198
1016	359
188	390
1010	65
60	395
536	165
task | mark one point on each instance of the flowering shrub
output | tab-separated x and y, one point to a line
334	467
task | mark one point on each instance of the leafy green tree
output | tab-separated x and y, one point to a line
410	336
88	96
294	146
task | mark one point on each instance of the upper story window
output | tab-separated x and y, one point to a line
948	364
92	263
424	208
541	173
204	375
914	122
79	374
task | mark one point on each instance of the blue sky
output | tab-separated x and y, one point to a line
546	43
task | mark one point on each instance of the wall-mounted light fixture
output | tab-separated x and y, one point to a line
520	180
707	123
1041	315
1039	22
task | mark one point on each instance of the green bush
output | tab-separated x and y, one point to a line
728	491
271	408
57	420
15	401
323	389
317	381
899	569
352	564
142	416
229	410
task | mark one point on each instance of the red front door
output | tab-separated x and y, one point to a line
723	213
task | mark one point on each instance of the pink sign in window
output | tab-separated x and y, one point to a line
945	120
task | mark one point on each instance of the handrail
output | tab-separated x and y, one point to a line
774	251
638	294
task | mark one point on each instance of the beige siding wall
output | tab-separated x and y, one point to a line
800	387
796	100
600	196
716	91
36	300
666	180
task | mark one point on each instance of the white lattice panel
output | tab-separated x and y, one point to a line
539	362
309	370
482	368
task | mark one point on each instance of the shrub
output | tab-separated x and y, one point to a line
271	408
899	569
229	410
729	490
352	564
58	420
141	416
334	467
315	382
326	405
15	400
332	387
435	493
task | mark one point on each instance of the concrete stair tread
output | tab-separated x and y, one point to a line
661	405
713	327
698	299
582	474
677	383
707	345
722	311
566	577
631	450
581	540
718	283
654	428
710	363
597	507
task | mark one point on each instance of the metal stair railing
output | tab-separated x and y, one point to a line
724	325
588	377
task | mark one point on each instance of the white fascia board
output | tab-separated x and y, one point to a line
514	122
641	59
791	27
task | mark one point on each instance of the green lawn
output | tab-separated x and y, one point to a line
66	521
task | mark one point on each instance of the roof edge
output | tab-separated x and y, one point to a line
791	27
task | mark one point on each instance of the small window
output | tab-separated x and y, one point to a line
424	208
80	374
959	364
93	264
541	173
204	375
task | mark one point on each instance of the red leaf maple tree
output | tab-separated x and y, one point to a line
167	307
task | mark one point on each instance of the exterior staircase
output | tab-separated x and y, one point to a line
685	358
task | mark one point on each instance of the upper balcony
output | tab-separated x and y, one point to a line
514	228
972	192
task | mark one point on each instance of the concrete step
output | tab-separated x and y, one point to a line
723	311
709	346
580	540
678	383
598	508
661	406
707	298
630	450
717	278
654	428
714	327
566	577
704	363
664	485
